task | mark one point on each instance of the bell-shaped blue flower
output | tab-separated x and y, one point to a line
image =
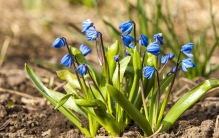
171	56
127	39
159	38
82	69
66	60
87	24
59	42
116	58
187	49
84	50
164	59
92	34
143	40
187	63
154	48
174	69
126	27
148	72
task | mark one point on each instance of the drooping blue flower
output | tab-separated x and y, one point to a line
87	24
84	50
82	69
159	38
66	60
127	39
154	48
187	49
116	58
148	72
167	57
171	56
92	34
132	46
187	63
143	40
126	27
59	42
164	59
174	69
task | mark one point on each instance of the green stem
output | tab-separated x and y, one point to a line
134	32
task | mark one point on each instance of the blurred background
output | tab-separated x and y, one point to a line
28	28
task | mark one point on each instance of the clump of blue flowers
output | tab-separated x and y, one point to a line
128	87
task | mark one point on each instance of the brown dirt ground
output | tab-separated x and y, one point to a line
26	36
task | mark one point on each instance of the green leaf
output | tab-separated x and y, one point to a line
136	61
69	77
112	51
46	93
80	57
63	100
130	109
185	102
123	67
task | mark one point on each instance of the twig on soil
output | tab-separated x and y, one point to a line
18	93
217	120
3	126
59	86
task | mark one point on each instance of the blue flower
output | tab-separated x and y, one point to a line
164	59
148	72
92	34
82	69
159	38
174	69
143	40
154	48
127	39
187	63
66	60
126	27
59	42
187	49
116	58
84	50
167	57
171	56
87	24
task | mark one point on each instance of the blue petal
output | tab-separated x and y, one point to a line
126	27
187	49
82	69
127	39
148	72
86	24
84	50
154	49
187	63
164	59
143	40
159	38
66	60
58	43
92	34
171	56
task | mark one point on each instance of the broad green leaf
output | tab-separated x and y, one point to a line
80	57
123	67
112	51
46	93
98	112
69	77
185	102
130	109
